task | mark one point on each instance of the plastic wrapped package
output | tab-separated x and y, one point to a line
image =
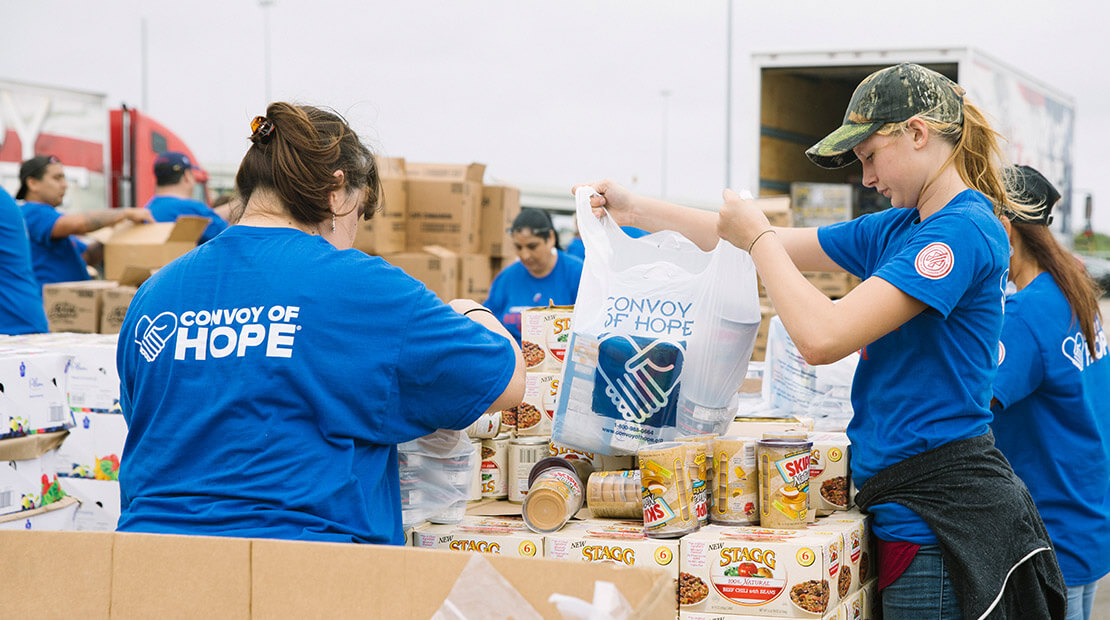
793	386
436	474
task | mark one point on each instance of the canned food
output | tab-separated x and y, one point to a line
495	466
487	426
615	494
707	439
544	336
554	495
596	462
695	462
735	486
784	482
667	490
524	452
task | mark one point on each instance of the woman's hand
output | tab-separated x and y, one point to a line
614	200
740	221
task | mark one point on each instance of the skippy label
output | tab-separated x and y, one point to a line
217	333
794	469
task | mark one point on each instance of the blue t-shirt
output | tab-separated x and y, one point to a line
1054	426
516	289
54	260
268	401
928	382
578	249
169	208
21	310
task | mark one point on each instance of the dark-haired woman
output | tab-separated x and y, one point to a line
267	376
1052	414
544	274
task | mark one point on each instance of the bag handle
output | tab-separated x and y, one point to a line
594	230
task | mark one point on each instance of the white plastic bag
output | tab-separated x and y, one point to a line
661	340
436	472
792	386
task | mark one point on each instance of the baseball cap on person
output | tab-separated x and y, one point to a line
1029	187
171	162
33	167
892	95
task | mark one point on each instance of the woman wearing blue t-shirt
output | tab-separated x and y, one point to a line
267	376
959	535
544	274
1052	414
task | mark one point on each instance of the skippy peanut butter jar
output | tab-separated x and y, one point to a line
784	482
760	571
668	489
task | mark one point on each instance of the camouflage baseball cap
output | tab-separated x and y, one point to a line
890	95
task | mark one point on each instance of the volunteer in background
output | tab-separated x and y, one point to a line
268	400
57	255
1051	412
926	320
544	274
21	310
173	197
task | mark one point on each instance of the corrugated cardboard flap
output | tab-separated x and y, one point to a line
446	172
61	504
188	228
135	276
30	446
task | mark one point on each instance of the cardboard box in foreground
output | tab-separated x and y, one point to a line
150	245
152	576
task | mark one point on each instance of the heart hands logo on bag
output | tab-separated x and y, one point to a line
638	374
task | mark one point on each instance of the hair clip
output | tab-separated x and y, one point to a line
262	130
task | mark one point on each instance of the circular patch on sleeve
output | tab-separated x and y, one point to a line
934	261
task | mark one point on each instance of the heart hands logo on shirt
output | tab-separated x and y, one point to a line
151	336
638	377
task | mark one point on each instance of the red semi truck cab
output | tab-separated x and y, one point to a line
136	141
108	154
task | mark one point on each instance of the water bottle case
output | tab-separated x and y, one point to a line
662	334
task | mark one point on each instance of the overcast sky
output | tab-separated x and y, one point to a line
546	94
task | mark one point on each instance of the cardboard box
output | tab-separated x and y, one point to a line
27	475
536	413
100	503
855	528
93	380
94	447
612	541
758	571
436	267
499	536
500	206
821	204
117	300
475	277
75	306
829	474
444	206
150	246
385	232
777	210
34	396
124	575
54	517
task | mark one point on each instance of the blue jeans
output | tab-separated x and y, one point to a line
1080	601
923	592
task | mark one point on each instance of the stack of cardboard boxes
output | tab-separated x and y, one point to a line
442	226
131	253
82	401
34	418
